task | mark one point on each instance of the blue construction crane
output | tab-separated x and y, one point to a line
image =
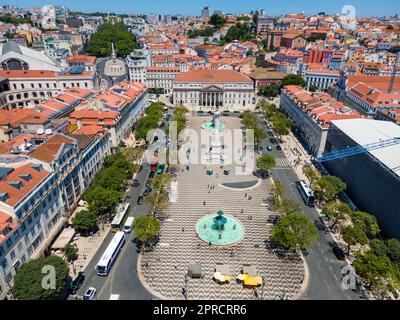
358	150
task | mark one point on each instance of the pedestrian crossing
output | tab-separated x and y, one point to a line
282	162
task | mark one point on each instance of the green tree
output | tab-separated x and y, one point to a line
161	182
393	250
367	221
390	27
146	228
159	202
353	235
327	188
294	79
313	88
311	174
378	247
271	91
85	222
287	206
336	211
294	232
377	271
100	42
71	252
277	191
102	201
28	279
132	154
266	162
269	109
217	20
280	124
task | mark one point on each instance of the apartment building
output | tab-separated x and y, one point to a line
311	114
40	184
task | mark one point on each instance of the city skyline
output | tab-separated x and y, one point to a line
363	8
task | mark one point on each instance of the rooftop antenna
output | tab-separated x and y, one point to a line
393	77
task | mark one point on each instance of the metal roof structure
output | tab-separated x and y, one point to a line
369	132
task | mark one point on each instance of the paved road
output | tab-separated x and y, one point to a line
122	279
324	267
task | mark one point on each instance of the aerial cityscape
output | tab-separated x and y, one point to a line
223	152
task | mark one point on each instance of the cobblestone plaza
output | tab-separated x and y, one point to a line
167	264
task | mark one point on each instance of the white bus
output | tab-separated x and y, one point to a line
306	193
108	258
128	225
122	210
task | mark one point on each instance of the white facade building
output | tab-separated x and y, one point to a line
206	90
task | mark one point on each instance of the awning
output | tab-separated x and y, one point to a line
63	239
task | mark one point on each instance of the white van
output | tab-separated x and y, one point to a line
128	225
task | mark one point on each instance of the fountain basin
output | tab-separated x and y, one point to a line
210	126
232	233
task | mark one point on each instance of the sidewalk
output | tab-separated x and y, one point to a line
296	155
87	248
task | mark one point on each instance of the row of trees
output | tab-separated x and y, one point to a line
154	114
105	193
281	124
250	121
376	261
100	42
293	230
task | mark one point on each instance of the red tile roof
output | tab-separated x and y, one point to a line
211	76
16	194
10	74
48	150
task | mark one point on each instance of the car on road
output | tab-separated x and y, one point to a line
136	183
338	252
140	200
77	282
278	147
90	294
269	148
147	191
151	174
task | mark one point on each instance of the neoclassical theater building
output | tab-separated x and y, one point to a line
212	90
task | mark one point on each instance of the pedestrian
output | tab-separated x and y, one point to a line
209	191
245	195
241	211
209	244
183	229
204	203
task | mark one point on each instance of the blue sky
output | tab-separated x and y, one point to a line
275	7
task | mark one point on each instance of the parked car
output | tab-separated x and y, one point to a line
269	148
90	294
151	174
140	200
77	282
338	252
278	147
147	191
